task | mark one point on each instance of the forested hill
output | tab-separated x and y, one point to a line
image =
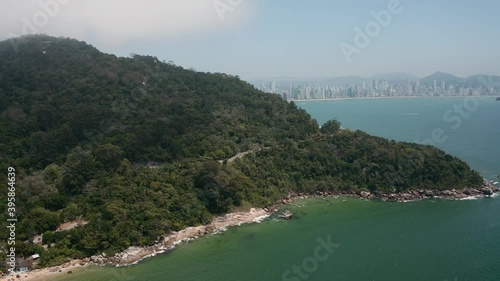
60	93
132	145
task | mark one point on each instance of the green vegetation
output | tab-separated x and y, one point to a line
132	145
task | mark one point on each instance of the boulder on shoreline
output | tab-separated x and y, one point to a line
488	191
134	254
365	194
287	215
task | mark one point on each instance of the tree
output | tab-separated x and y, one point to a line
108	156
78	169
330	127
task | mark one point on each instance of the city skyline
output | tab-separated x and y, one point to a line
430	86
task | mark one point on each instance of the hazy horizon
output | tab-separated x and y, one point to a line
262	39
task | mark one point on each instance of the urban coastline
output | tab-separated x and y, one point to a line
133	255
436	85
394	97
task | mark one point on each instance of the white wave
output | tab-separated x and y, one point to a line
260	219
470	198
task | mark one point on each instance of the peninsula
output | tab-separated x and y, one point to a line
142	149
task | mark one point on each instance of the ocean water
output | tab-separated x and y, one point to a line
469	126
357	240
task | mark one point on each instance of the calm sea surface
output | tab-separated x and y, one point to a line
355	240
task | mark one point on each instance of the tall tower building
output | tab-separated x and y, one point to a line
272	86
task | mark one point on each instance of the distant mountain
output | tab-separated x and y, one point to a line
439	77
396	77
472	81
286	81
393	78
346	80
483	80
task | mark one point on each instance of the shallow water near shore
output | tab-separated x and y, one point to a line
426	240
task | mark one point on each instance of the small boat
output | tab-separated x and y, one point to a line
495	183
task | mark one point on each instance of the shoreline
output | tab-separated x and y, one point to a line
134	255
402	97
487	190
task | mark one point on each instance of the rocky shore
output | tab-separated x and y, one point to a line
488	189
219	224
135	254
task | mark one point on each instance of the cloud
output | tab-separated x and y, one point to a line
115	22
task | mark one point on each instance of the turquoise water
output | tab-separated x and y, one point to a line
370	240
476	140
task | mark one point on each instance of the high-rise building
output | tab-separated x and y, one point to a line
272	87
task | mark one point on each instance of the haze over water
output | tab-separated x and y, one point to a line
419	241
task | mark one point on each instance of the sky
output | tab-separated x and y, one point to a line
278	38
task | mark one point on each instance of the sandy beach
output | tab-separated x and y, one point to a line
135	254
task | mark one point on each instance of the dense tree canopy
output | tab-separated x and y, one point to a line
132	145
